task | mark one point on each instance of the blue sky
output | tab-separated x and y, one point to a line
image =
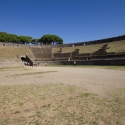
72	20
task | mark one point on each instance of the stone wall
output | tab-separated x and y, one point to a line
9	64
115	62
108	62
29	59
49	63
107	40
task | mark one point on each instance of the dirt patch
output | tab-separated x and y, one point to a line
71	95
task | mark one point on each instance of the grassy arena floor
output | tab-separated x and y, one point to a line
61	103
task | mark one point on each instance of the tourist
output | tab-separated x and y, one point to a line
74	63
46	64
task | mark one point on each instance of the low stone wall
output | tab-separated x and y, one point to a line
57	45
9	64
49	63
117	62
109	62
106	40
14	45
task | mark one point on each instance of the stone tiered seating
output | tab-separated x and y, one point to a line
36	50
61	56
46	50
77	56
111	53
42	57
108	56
83	52
101	51
42	54
84	56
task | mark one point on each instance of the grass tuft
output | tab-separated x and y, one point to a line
59	104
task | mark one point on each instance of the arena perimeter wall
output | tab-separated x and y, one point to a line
109	62
115	62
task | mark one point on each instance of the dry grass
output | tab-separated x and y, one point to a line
12	52
117	46
122	68
59	104
30	73
14	68
82	49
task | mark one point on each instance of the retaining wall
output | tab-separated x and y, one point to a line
9	64
117	62
14	45
49	63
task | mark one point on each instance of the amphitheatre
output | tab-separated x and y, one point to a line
90	93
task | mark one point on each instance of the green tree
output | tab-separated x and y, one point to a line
49	39
35	40
12	38
5	37
24	39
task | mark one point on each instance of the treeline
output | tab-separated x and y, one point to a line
12	38
45	39
49	39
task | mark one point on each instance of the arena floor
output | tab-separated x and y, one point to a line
96	80
62	95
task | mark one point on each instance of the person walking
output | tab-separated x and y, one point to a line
46	64
74	63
